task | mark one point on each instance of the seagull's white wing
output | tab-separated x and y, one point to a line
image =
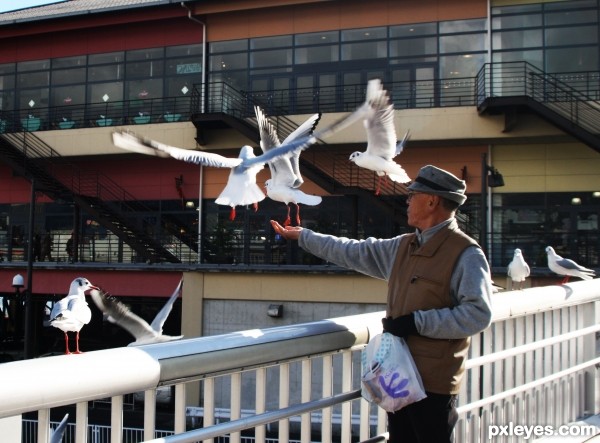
131	142
401	144
305	129
161	317
381	132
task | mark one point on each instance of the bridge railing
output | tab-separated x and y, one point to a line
536	365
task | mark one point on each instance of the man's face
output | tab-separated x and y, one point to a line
418	208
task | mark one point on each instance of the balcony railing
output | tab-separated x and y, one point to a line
536	365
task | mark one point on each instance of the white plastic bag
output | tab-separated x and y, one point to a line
389	375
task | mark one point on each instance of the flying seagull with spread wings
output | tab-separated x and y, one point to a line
285	171
241	188
567	267
144	333
382	144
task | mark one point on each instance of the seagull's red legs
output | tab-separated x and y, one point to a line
77	351
378	189
565	280
297	214
255	206
232	214
67	344
288	220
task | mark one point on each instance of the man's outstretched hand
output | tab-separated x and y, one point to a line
288	232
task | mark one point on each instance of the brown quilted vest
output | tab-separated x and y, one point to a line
420	280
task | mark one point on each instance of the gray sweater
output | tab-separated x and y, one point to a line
471	283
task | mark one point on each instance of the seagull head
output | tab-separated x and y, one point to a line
354	156
517	252
268	183
550	250
80	286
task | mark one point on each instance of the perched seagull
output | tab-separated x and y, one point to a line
285	171
57	435
144	333
518	270
241	188
382	144
71	313
567	267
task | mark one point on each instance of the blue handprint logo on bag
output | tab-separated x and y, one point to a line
393	389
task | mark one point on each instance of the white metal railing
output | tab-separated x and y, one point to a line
536	365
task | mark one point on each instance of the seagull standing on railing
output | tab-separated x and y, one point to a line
518	269
71	313
382	144
567	267
144	333
285	171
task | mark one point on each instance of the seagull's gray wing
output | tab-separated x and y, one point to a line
161	317
131	142
401	144
305	129
569	264
58	433
121	315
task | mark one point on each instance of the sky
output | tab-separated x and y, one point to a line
11	5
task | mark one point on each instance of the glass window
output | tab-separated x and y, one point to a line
352	35
517	21
362	51
413	47
34	65
271	42
184	50
519	9
33	100
7	100
106	72
184	66
465	65
516	39
68	95
112	57
33	79
317	54
144	89
7	82
105	92
228	46
7	68
569	5
571	36
572	59
68	62
145	54
413	30
277	57
224	62
67	76
154	68
457	26
462	43
317	38
535	57
570	17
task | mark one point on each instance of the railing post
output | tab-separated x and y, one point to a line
592	394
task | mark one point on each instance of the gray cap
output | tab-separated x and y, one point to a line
436	181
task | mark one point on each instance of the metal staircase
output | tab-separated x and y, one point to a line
110	205
518	87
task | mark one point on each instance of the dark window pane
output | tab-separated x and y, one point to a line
519	9
184	50
456	26
413	47
33	79
154	68
317	54
361	51
571	36
517	21
7	82
103	73
34	65
516	39
228	61
462	43
67	76
68	95
7	68
184	66
278	57
413	30
317	38
98	59
271	42
572	59
352	35
570	17
68	62
228	46
145	54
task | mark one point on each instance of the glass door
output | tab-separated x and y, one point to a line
413	86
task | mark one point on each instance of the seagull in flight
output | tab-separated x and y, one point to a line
59	431
382	144
518	269
567	267
241	188
285	171
71	313
144	333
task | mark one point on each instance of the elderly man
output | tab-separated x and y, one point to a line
439	288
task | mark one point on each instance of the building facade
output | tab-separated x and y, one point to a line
189	73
